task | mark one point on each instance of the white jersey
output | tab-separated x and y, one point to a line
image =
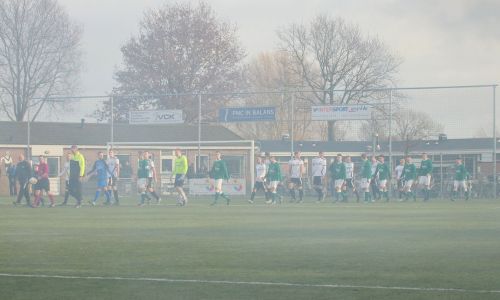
260	172
65	171
319	166
295	166
113	165
151	167
399	171
349	170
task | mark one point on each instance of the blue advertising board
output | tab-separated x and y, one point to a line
247	114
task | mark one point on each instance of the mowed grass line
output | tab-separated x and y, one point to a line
440	245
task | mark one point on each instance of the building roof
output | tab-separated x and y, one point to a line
479	145
45	133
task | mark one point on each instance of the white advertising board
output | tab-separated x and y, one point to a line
205	186
341	112
155	117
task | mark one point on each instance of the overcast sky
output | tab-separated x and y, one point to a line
446	42
440	42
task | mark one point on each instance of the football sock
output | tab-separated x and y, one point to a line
107	194
301	194
97	194
115	195
292	194
216	197
155	195
252	196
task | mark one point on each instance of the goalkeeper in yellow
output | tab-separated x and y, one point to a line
180	171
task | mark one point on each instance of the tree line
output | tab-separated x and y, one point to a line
184	48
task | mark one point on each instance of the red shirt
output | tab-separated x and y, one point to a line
43	170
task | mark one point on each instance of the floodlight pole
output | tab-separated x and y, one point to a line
28	150
494	144
292	114
390	130
112	121
198	162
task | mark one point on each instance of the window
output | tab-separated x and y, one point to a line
125	168
202	162
166	165
235	165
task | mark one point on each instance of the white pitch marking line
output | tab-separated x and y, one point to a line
341	286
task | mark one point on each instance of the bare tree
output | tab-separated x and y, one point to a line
413	126
180	49
269	71
39	55
332	55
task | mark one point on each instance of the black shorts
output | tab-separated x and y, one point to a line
42	184
259	185
349	182
296	181
179	180
317	180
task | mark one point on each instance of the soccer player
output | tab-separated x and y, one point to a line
374	182
260	175
384	174
338	176
43	184
319	172
274	177
180	170
142	177
399	177
65	172
152	179
349	180
113	174
23	175
409	175
460	179
366	176
424	176
219	173
76	173
101	169
295	172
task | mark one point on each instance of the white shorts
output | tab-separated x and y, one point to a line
365	183
218	184
424	180
382	184
459	183
273	184
339	183
142	183
408	184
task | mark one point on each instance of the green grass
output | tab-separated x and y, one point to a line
423	245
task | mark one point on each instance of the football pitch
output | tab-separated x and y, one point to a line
435	250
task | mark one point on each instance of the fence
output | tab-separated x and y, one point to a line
402	120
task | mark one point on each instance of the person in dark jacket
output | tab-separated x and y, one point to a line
11	174
23	175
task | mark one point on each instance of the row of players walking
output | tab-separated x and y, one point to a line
34	180
339	178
